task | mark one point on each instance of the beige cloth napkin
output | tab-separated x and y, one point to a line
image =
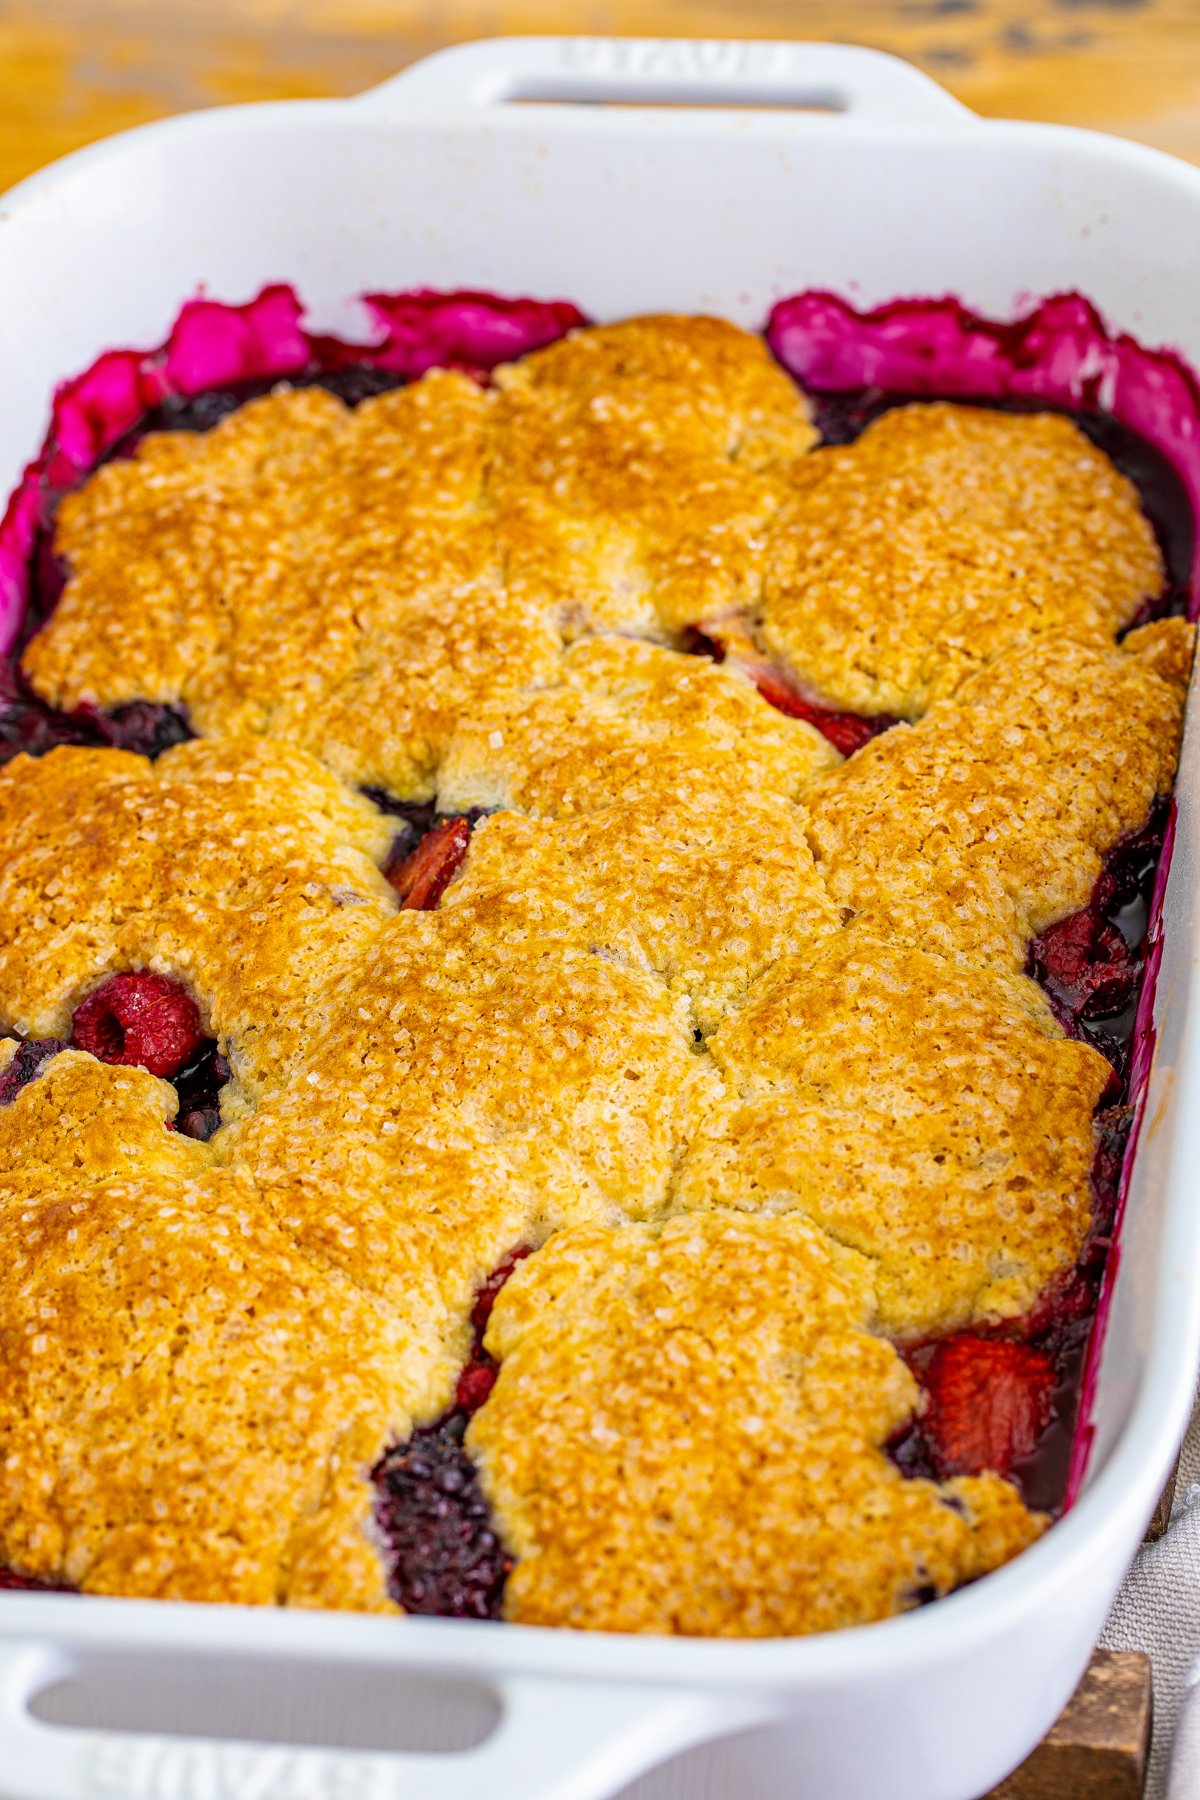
1158	1610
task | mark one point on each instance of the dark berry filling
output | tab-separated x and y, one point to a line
140	1020
444	1556
1090	963
28	724
26	1065
352	383
443	1553
12	1582
199	1085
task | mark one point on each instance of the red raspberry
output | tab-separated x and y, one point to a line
424	875
142	1020
987	1403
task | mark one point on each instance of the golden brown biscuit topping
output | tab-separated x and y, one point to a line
974	829
731	1034
704	896
942	536
241	868
927	1114
627	722
687	1435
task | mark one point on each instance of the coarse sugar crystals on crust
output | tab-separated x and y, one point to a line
639	466
705	895
413	1249
928	1114
687	1436
83	1120
727	1034
940	537
581	1069
628	722
325	577
974	829
189	1405
242	869
357	582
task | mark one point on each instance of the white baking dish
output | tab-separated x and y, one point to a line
438	179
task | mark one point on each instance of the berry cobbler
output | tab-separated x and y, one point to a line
570	922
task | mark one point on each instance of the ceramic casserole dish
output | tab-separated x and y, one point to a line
734	174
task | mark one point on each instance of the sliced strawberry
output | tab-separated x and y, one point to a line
847	732
425	874
987	1403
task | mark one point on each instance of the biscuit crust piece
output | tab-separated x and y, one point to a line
929	1115
687	1437
254	1392
942	536
628	723
82	1119
705	896
973	830
242	869
578	1067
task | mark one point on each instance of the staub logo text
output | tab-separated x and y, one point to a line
696	59
154	1769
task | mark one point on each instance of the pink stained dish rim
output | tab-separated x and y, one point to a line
854	364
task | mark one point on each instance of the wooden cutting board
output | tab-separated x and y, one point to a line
1098	1750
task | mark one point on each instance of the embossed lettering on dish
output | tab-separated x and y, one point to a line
699	58
151	1769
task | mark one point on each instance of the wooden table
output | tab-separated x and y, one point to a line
72	70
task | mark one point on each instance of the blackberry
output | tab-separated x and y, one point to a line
444	1557
29	1061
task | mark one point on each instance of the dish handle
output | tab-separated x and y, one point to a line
828	78
555	1740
